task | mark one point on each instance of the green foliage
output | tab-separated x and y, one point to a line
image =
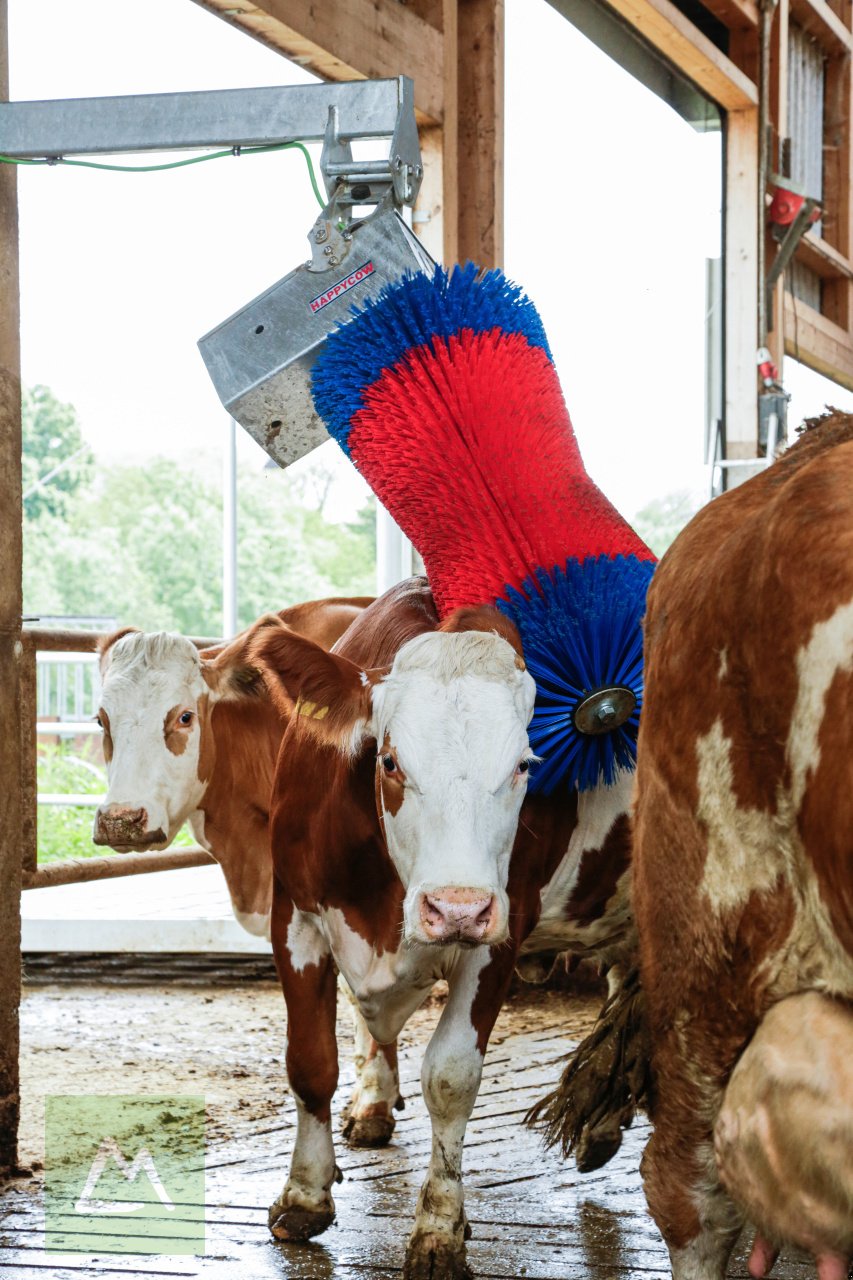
660	522
142	543
56	459
65	831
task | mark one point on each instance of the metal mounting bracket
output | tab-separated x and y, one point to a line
335	114
260	359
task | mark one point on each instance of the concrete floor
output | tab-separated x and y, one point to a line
532	1214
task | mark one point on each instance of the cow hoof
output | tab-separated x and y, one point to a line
429	1257
369	1131
289	1221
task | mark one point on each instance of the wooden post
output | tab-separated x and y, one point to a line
29	760
481	131
741	290
779	112
11	648
436	214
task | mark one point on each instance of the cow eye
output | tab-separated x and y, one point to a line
389	764
523	766
185	717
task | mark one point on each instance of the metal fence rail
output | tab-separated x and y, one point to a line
75	870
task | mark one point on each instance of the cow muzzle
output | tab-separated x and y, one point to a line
124	828
470	916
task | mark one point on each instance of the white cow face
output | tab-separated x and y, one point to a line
450	723
154	705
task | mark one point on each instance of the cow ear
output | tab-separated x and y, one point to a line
105	646
228	670
330	695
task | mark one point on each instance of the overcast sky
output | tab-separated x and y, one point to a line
612	208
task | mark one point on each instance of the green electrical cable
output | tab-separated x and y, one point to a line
180	164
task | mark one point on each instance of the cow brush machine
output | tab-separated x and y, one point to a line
442	390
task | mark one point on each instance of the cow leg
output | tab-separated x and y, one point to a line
696	1217
305	1206
368	1119
450	1079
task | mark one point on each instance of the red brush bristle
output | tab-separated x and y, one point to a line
487	479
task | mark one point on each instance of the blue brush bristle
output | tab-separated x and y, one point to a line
406	315
580	631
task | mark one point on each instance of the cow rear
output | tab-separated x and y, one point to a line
743	884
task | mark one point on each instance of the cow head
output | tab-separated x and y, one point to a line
157	691
449	723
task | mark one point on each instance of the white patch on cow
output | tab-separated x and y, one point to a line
598	810
306	943
748	851
387	986
148	675
456	707
255	922
828	651
312	1167
450	1078
743	844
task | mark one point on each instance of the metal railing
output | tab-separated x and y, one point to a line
74	870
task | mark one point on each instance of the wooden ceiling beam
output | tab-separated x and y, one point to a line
820	21
349	40
664	26
734	14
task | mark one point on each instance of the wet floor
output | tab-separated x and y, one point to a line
532	1214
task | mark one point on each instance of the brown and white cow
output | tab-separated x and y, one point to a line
743	853
406	850
193	737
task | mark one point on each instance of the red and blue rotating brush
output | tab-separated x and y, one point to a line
444	394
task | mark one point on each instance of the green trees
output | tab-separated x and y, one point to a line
143	542
661	520
56	459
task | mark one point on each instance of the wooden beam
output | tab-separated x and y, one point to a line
779	116
29	760
436	215
734	14
823	259
114	865
662	25
819	20
480	176
348	40
11	649
817	342
741	285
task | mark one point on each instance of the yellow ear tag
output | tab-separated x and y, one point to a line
318	715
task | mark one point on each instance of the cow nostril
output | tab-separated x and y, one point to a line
432	912
485	915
